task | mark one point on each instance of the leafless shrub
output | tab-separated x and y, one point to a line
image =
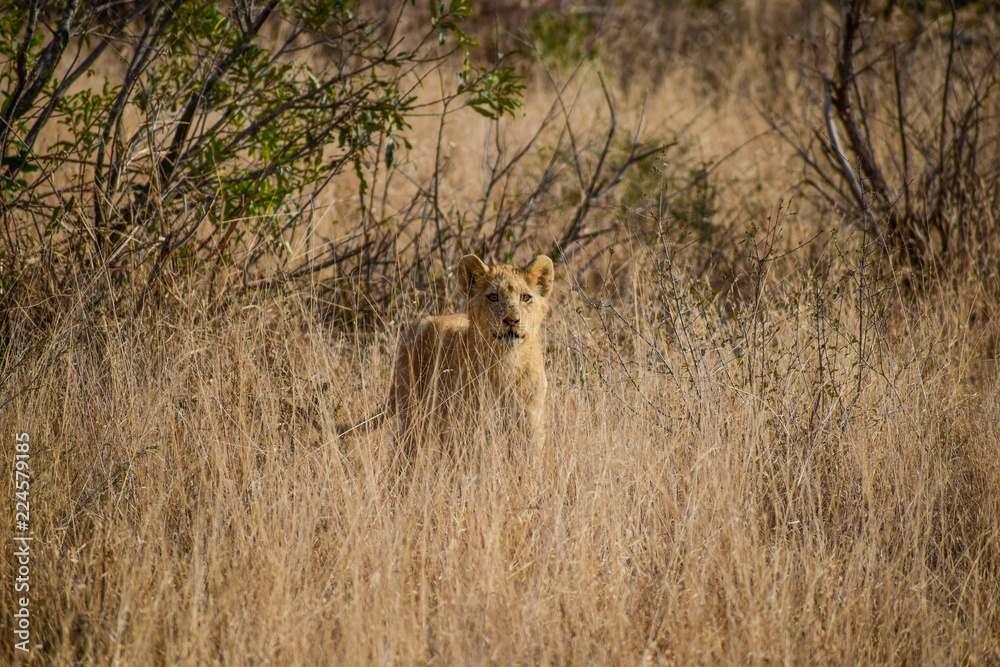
907	147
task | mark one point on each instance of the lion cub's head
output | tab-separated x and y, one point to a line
506	304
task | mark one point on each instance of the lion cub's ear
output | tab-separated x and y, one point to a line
470	271
541	273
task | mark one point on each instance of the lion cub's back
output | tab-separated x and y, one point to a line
430	350
441	334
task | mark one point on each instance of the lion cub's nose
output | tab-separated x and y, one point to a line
511	321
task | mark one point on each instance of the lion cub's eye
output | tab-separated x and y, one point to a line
525	298
493	297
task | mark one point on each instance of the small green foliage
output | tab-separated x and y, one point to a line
492	92
447	21
561	39
690	195
679	189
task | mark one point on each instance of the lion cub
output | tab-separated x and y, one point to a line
451	368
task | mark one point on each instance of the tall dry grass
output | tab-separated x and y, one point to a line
184	514
801	469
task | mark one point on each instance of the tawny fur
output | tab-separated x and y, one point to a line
451	368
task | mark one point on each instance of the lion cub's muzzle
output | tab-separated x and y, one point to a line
511	332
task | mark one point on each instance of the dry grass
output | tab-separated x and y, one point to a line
183	515
804	473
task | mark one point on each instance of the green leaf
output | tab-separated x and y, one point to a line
390	150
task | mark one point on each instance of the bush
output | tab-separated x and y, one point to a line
907	148
213	146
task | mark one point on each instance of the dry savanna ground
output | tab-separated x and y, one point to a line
792	456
